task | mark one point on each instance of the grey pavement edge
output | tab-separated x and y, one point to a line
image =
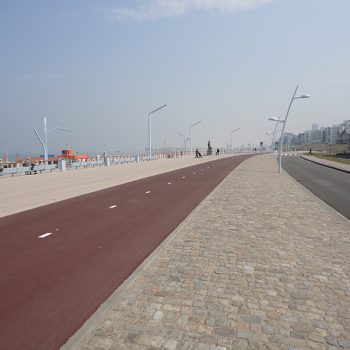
329	164
260	264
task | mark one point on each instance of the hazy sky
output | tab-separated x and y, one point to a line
99	67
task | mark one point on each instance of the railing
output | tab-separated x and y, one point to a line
29	170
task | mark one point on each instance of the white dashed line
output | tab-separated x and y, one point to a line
169	183
112	207
184	177
148	192
45	235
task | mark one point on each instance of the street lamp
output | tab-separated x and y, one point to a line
6	153
190	127
277	120
185	141
268	134
150	128
231	139
44	144
285	122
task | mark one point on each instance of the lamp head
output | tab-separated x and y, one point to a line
303	96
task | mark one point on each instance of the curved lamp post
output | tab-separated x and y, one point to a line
231	139
285	122
44	144
268	134
190	127
150	129
185	140
277	120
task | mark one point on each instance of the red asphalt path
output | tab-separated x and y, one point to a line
50	286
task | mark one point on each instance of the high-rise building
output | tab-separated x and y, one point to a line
314	127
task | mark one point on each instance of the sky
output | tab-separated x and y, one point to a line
99	68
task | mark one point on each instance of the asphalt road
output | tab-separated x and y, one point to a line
332	186
59	262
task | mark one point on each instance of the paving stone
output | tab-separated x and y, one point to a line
240	344
251	319
260	264
242	334
170	345
345	343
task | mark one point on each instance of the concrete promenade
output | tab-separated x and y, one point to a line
31	191
260	264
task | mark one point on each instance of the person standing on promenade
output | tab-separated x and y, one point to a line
1	168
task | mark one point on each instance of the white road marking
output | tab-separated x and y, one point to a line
112	207
169	183
184	177
148	192
45	235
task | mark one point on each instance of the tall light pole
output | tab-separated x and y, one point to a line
268	134
6	153
44	144
150	128
231	139
285	122
190	127
185	141
277	120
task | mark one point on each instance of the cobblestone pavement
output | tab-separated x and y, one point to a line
260	264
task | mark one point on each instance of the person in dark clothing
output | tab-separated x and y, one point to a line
198	154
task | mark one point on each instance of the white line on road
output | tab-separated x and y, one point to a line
45	235
184	177
169	183
148	192
112	207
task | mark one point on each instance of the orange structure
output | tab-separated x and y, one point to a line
68	153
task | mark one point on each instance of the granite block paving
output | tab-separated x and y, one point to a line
261	264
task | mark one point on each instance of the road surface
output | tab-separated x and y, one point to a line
332	186
59	262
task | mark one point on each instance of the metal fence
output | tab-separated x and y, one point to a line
71	165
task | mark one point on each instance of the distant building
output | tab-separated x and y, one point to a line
316	136
330	135
314	127
344	136
336	130
327	135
